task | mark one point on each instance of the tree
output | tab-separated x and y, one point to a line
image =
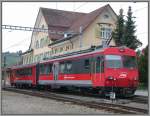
131	40
118	34
143	66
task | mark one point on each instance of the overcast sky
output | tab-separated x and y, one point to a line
25	13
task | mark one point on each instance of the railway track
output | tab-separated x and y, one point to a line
140	99
136	98
111	107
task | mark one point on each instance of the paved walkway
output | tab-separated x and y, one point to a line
141	92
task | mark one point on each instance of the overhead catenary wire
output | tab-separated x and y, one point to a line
18	43
137	10
80	6
141	33
22	28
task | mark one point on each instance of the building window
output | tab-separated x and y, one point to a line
105	33
35	58
38	57
43	26
56	50
67	48
42	43
37	44
26	60
47	40
52	51
61	49
29	60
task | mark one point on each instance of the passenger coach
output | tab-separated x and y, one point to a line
99	70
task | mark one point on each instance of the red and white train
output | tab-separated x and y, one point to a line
102	70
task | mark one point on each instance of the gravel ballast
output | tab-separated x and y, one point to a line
15	103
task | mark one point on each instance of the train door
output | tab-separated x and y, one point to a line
97	70
55	70
37	73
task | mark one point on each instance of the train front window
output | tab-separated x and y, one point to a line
113	61
129	62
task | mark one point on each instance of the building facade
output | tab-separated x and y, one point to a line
69	31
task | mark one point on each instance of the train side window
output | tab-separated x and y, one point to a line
25	72
69	66
62	67
98	64
30	71
17	73
42	69
77	66
102	64
22	72
48	69
86	64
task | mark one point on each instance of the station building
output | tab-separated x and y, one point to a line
69	31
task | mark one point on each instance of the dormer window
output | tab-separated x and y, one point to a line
106	16
67	34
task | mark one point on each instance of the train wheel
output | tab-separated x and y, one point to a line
17	86
49	88
38	87
12	84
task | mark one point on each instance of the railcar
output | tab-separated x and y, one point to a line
105	70
24	75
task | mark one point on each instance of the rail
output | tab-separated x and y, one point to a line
111	107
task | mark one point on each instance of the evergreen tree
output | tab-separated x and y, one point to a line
143	67
118	33
130	38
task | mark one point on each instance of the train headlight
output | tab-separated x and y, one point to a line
135	79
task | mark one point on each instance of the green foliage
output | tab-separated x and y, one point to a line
118	34
143	67
142	86
130	38
124	34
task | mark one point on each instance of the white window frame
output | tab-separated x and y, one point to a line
105	32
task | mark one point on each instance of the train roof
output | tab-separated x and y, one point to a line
75	54
90	51
94	50
23	66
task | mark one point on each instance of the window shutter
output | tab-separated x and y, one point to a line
97	31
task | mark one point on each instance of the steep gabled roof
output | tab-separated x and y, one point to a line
86	19
60	20
60	17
